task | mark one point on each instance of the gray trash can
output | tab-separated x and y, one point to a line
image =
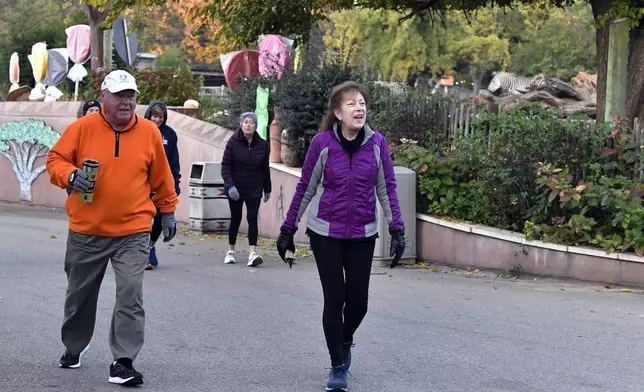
406	186
209	211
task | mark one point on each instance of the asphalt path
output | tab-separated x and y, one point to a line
216	327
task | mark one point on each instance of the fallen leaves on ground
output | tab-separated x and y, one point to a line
303	253
53	237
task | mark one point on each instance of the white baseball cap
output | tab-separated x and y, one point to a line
119	80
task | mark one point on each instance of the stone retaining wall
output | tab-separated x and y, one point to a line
471	246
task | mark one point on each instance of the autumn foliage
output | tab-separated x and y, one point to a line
175	24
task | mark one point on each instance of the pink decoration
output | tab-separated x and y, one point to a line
243	64
78	49
274	55
78	43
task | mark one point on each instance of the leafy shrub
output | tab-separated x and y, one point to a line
172	85
243	99
604	209
509	147
442	189
436	187
212	108
303	98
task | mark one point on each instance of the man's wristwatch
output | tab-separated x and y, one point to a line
72	177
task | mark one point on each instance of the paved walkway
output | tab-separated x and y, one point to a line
213	327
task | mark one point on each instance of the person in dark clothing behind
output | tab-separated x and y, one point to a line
89	107
246	175
157	112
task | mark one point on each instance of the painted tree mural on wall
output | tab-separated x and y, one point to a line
23	142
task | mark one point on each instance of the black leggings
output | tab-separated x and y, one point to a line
348	296
157	229
252	208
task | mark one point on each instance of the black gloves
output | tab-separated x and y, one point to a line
79	182
169	225
397	247
285	242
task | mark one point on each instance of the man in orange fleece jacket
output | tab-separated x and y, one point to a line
116	224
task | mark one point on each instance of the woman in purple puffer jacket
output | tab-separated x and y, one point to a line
346	168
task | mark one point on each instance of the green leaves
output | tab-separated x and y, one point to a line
607	212
171	85
245	20
29	131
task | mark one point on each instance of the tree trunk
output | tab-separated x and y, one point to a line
600	7
557	88
94	18
25	191
315	55
477	79
635	92
96	35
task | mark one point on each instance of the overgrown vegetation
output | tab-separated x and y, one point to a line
172	85
303	98
531	170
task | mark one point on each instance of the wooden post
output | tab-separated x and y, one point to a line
617	75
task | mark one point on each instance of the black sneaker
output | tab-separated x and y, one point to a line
72	361
123	375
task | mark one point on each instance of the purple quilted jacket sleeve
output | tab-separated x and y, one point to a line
306	187
386	188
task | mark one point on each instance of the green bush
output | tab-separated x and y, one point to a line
489	177
535	172
212	109
303	98
602	209
507	148
243	99
443	188
172	85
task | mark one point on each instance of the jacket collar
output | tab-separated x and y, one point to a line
239	135
368	133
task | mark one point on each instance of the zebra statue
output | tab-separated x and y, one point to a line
509	83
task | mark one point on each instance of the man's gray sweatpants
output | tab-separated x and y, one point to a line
85	264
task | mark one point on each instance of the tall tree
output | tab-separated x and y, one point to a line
482	54
604	11
400	51
395	51
174	25
243	21
561	45
100	15
18	33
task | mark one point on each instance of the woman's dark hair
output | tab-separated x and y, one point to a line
336	100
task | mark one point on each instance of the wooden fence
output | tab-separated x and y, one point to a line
430	119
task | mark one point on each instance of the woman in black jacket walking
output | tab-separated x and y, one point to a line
246	175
